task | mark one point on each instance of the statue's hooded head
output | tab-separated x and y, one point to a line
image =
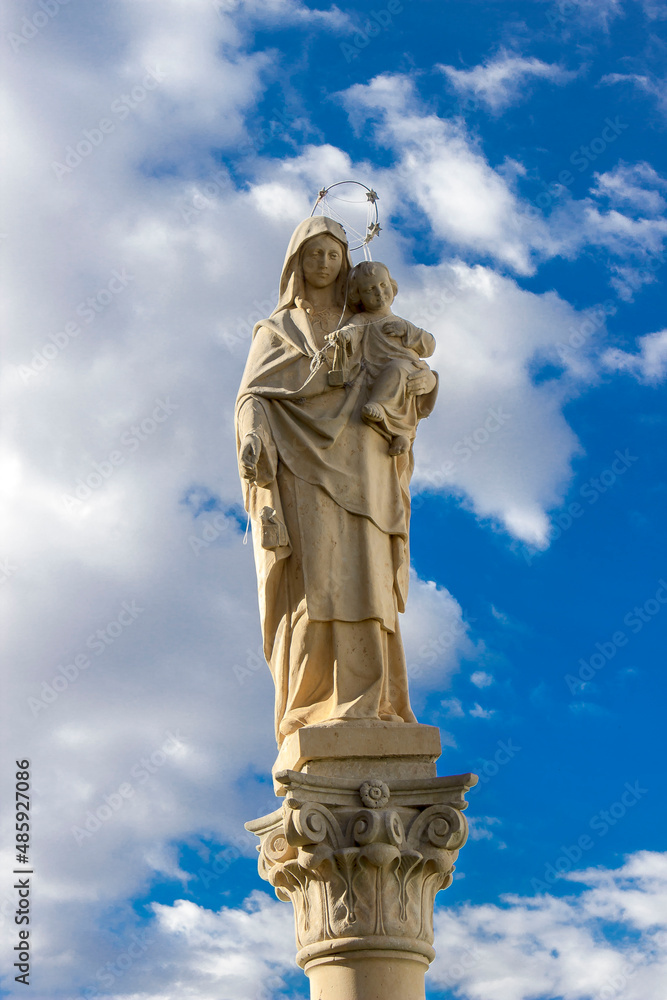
292	281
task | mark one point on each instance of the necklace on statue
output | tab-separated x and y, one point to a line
324	320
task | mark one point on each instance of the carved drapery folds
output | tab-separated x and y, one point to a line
361	862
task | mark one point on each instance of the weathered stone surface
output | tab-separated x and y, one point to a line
396	751
361	862
328	408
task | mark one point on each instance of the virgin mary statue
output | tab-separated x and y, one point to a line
329	506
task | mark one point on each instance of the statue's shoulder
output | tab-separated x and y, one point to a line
289	328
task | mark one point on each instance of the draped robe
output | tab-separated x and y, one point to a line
330	515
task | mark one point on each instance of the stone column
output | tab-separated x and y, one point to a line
365	838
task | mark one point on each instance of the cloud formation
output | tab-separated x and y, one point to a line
502	81
606	943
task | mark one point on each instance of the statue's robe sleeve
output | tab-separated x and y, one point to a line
418	340
424	344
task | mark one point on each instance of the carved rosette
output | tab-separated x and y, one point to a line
361	863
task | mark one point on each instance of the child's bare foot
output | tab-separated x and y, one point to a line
399	445
372	412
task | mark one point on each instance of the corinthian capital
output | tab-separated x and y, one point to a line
362	861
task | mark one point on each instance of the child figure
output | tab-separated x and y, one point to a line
392	349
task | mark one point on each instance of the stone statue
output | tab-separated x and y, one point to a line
326	414
392	349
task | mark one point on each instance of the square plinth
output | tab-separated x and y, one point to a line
392	750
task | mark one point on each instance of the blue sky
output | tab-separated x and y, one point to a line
519	153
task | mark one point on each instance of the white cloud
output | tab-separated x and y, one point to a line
453	708
441	170
436	637
584	15
624	236
606	942
502	81
635	185
500	616
542	947
654	9
239	953
478	712
480	827
486	439
649	364
481	679
649	83
474	208
281	12
636	246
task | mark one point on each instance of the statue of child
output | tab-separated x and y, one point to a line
392	349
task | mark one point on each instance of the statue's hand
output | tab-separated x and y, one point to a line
420	382
249	456
342	337
395	327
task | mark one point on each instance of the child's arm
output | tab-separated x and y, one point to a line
348	336
395	327
418	340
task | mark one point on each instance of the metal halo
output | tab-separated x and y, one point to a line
373	227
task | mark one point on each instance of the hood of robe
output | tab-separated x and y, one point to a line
292	285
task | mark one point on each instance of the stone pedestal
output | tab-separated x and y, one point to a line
366	837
